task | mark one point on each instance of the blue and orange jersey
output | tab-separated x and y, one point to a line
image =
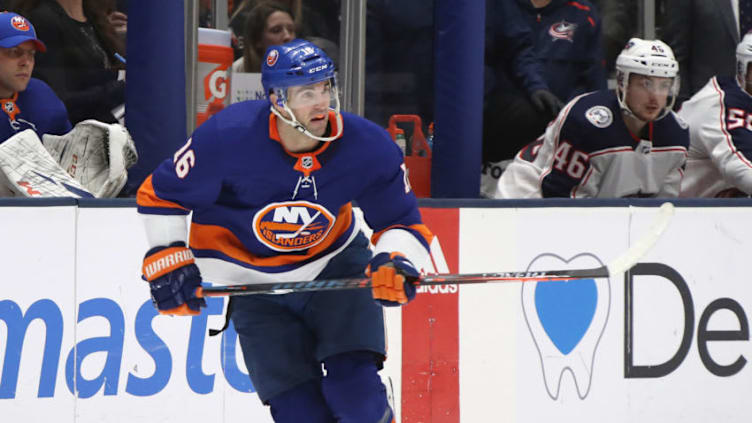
262	213
37	107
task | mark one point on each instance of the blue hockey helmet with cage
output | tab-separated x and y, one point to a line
298	62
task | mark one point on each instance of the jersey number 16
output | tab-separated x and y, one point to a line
184	160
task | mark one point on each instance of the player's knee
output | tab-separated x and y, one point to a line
303	403
353	388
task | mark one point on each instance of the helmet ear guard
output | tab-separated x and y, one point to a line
650	58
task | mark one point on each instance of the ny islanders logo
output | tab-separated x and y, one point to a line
271	58
566	320
292	225
19	23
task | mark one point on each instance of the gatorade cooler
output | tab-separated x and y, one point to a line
215	57
417	154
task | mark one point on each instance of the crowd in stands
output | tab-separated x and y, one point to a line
544	59
81	62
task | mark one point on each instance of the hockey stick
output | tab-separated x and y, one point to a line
619	265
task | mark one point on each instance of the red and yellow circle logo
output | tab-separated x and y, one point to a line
292	225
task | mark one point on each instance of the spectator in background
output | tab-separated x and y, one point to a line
118	18
720	150
27	102
518	100
568	41
321	22
618	24
81	64
268	24
703	35
239	15
567	48
607	144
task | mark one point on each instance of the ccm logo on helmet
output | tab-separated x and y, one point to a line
292	225
318	68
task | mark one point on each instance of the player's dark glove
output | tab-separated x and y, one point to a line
392	277
173	278
546	101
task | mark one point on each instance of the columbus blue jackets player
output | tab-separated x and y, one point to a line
720	128
26	102
607	144
271	185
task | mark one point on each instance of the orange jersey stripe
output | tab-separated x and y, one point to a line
212	237
146	197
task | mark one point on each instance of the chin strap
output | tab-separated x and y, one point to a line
302	129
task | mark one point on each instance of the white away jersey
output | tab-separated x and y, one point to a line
720	128
589	152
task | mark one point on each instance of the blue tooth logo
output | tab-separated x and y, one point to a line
565	310
566	321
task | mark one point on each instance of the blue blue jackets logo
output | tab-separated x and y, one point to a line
292	225
562	30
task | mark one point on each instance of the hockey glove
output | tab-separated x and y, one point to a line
173	278
392	277
546	101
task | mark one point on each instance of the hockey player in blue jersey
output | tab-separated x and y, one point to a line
27	103
609	144
720	127
271	185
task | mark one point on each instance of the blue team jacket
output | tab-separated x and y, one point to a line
567	46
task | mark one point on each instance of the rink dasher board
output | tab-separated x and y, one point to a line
67	259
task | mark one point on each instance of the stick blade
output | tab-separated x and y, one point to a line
629	258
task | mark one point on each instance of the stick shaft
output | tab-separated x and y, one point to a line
435	279
617	266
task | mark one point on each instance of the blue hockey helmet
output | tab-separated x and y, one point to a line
298	62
